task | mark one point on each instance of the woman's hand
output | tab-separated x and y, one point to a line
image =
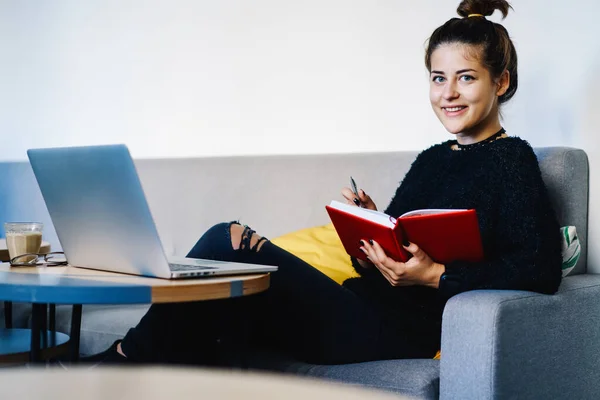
419	270
363	200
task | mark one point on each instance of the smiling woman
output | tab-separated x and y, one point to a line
463	93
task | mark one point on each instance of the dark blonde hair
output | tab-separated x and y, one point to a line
497	51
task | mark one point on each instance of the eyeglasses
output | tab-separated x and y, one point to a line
32	259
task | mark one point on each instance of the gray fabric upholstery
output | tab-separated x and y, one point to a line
418	379
566	174
495	344
523	345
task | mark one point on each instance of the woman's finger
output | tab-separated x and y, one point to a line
378	250
350	197
366	200
415	251
371	254
386	262
385	274
368	250
378	257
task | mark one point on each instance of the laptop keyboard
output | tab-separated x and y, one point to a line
184	267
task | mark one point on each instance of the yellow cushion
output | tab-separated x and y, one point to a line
320	247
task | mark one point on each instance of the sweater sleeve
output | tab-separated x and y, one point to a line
524	252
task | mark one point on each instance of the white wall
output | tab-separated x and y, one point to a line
196	77
186	78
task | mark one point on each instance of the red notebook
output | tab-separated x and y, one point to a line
445	235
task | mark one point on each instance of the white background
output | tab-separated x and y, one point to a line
185	78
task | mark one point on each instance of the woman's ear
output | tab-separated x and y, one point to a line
503	83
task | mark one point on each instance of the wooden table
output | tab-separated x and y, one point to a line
70	285
4	251
121	383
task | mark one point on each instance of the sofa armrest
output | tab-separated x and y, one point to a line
500	344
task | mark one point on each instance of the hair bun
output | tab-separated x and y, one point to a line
483	7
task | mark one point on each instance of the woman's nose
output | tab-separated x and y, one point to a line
450	91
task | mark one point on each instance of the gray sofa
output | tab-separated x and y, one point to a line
495	344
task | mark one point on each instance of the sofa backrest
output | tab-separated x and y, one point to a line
278	194
566	174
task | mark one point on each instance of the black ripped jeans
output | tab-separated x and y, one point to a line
304	314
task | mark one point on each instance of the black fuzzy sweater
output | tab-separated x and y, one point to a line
520	233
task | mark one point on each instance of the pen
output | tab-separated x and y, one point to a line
355	190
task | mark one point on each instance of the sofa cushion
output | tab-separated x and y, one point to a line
418	378
319	246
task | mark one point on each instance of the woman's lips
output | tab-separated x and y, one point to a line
454	111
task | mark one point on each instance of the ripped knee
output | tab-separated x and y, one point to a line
245	239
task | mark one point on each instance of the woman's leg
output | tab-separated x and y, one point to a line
314	319
304	313
186	332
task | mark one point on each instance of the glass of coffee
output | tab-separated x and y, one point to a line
23	238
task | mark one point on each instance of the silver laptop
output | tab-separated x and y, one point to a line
102	219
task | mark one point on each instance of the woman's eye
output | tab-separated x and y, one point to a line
467	78
438	79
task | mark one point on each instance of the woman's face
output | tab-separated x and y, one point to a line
463	94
